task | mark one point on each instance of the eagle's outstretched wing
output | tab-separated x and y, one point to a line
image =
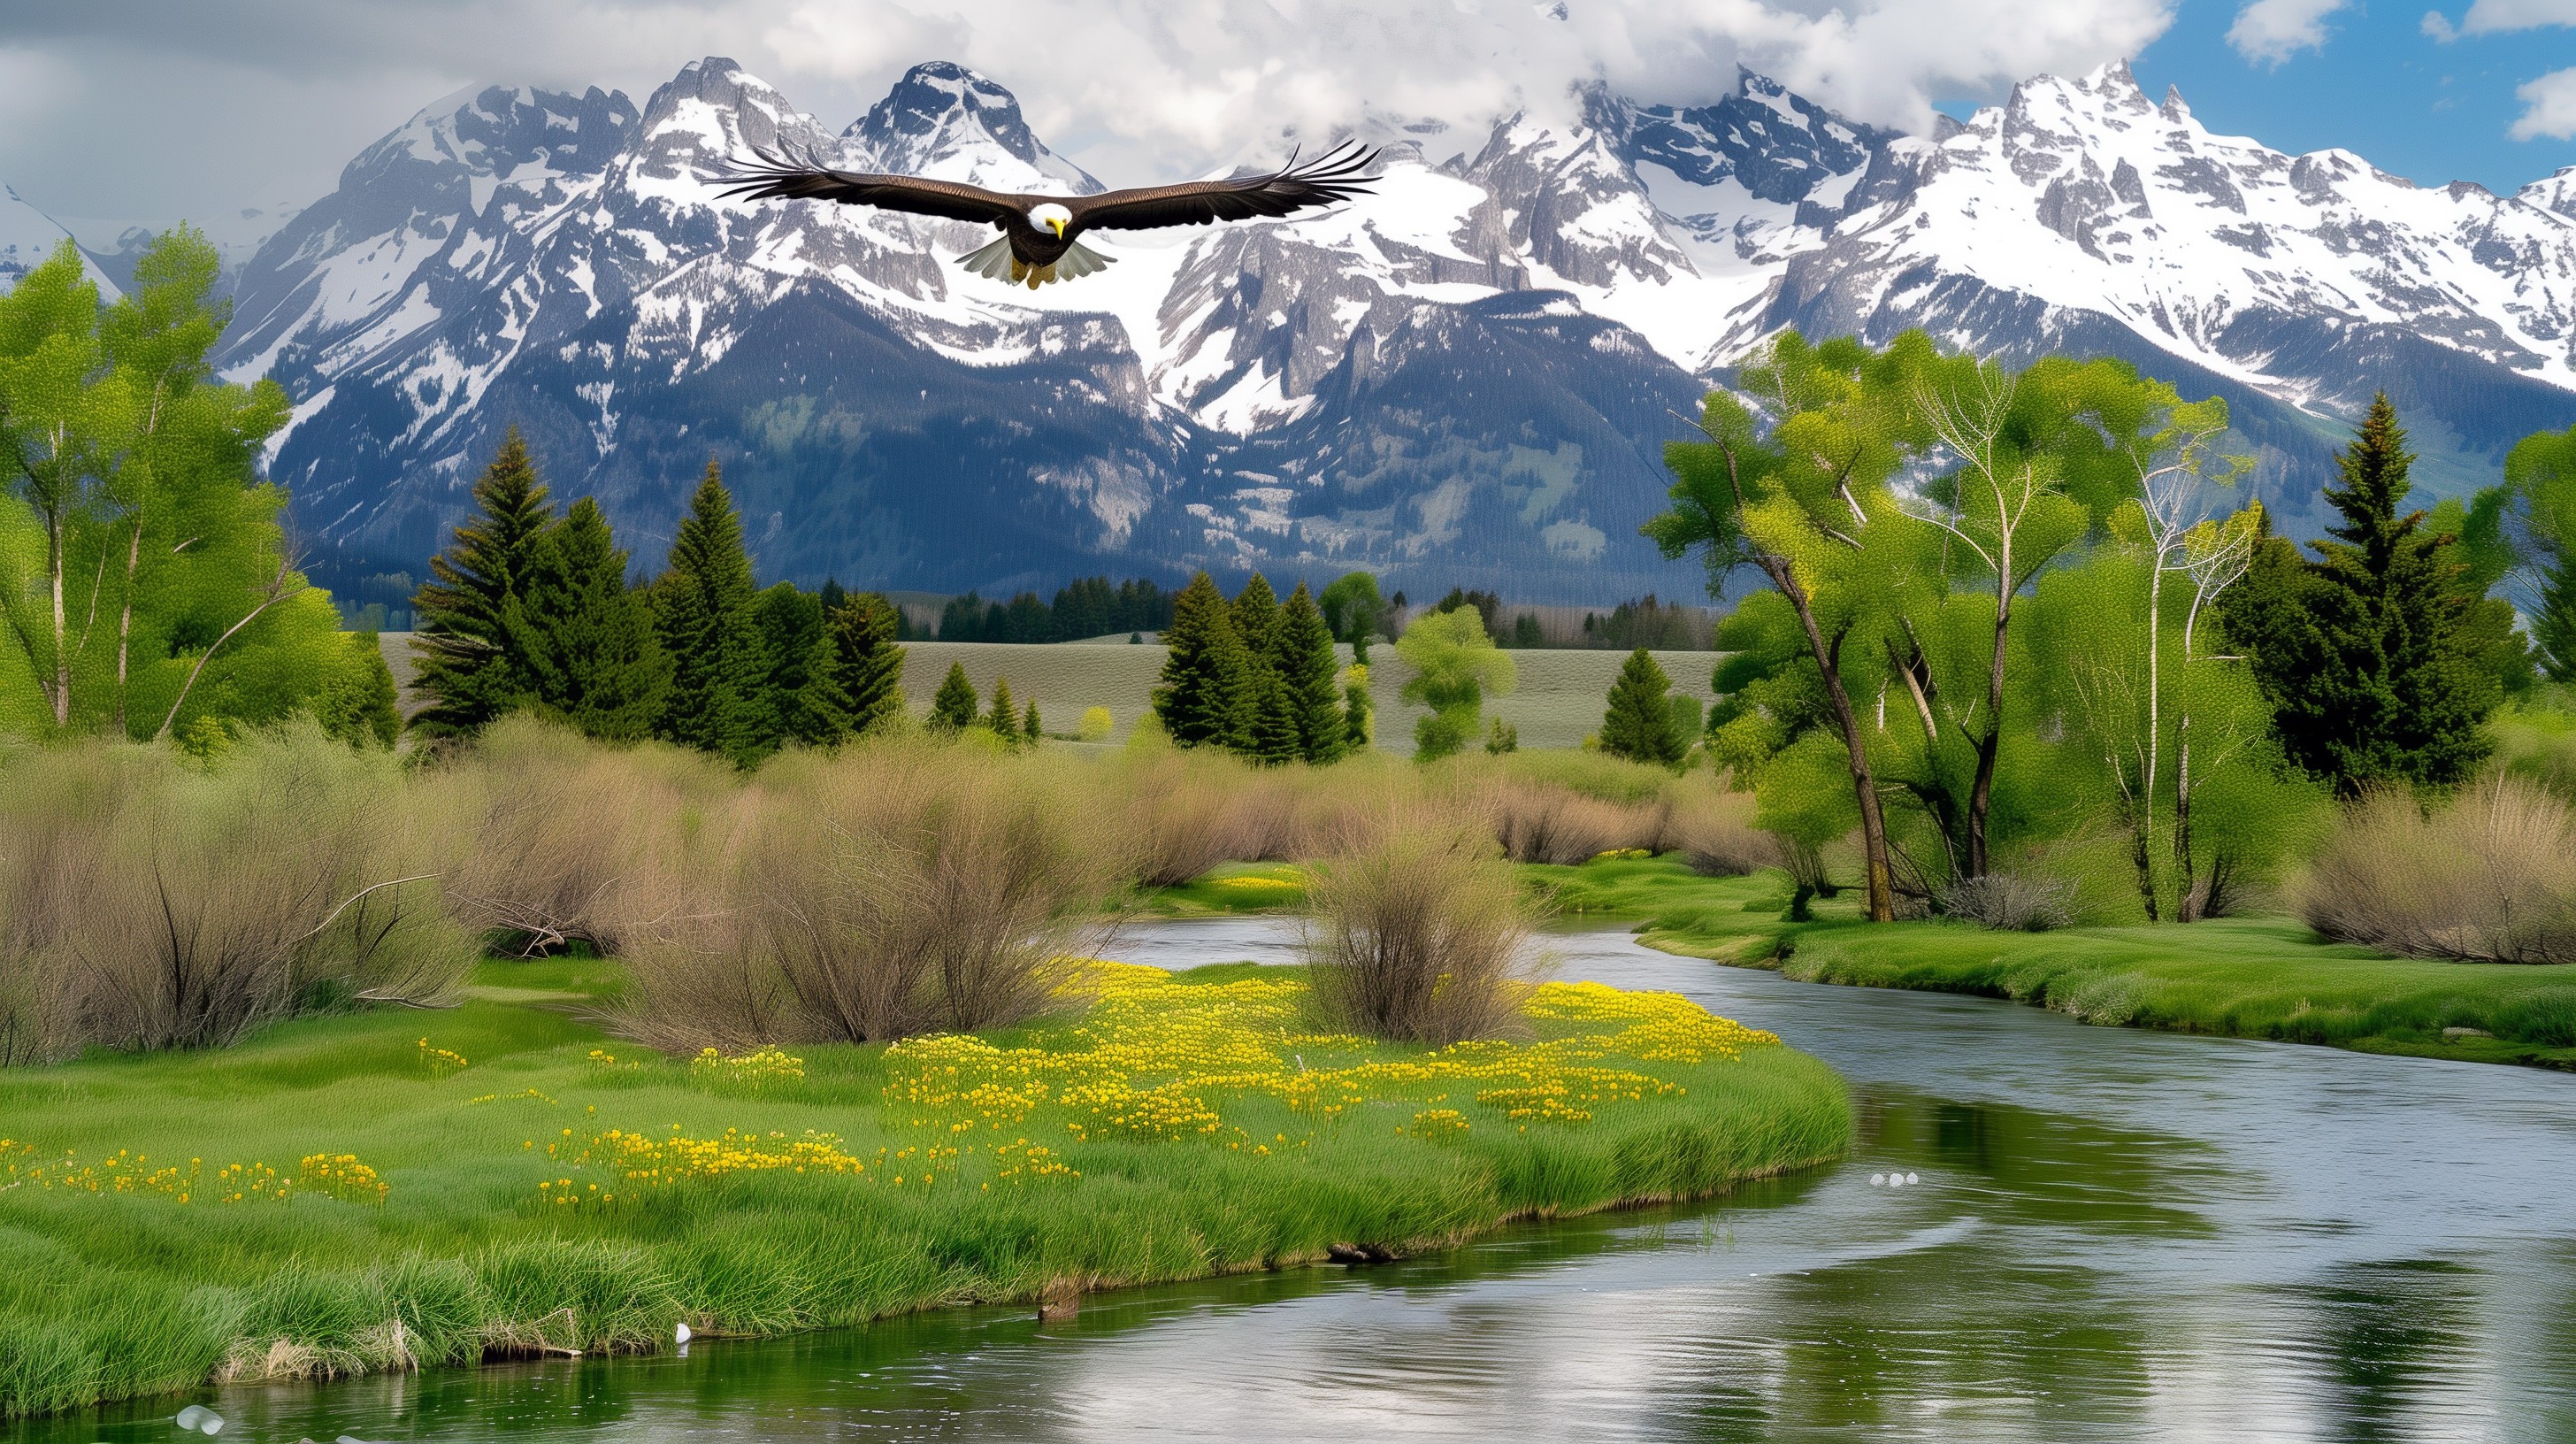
1320	182
783	173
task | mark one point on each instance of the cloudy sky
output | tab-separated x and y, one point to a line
147	111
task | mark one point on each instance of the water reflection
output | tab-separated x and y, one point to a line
2118	1236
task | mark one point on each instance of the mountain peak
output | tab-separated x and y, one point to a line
945	120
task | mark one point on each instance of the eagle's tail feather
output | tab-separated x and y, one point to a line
995	261
1079	261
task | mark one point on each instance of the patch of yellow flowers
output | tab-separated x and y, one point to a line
332	1175
439	1060
1156	1060
756	1070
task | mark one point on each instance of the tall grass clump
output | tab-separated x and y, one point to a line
1417	931
571	841
2488	875
891	889
156	903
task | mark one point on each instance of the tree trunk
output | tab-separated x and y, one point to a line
1981	796
61	689
125	621
1873	824
2186	903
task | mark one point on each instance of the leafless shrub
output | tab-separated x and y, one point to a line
57	811
1713	828
2011	902
570	840
1179	813
289	875
1419	934
888	890
2488	876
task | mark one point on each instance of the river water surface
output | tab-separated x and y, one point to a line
2117	1235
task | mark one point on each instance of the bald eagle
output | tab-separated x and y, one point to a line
1039	232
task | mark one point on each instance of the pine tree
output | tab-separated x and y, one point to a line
1201	698
866	660
1029	726
703	612
1307	667
803	688
593	658
953	706
1256	618
2553	623
470	654
1005	718
1639	724
2365	654
1270	736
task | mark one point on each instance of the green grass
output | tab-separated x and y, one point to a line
2265	977
109	1294
1231	889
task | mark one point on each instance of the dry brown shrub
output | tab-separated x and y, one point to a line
1179	812
1535	822
291	874
1417	931
57	807
570	840
2488	875
887	890
1712	827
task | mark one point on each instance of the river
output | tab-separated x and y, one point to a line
2116	1235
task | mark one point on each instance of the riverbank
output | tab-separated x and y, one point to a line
390	1189
2262	977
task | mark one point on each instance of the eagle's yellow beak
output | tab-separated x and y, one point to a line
1058	223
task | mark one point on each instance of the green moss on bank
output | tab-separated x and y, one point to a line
116	1293
2266	977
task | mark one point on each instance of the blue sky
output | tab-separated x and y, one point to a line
2377	83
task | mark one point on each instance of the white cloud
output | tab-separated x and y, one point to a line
2489	17
2274	30
2438	25
173	103
2549	107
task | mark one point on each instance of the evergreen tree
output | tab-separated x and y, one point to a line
1005	718
1256	619
471	634
953	706
867	661
592	657
803	693
2368	655
1639	724
704	614
1201	698
1029	726
1307	667
2553	622
1270	736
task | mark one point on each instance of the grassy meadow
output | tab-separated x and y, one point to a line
1558	703
391	1188
2253	977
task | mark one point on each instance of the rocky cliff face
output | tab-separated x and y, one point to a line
1464	378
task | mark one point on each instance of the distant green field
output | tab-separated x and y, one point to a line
1559	700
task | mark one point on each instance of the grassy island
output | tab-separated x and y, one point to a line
397	1188
2256	977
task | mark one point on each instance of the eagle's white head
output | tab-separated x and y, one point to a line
1051	217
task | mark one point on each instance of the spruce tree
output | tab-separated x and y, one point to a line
2553	622
1005	718
866	660
1270	735
1256	618
953	706
1639	723
1307	667
1201	698
470	651
593	658
1029	725
2365	654
703	612
803	689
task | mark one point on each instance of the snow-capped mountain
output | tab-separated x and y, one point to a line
1465	377
28	236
